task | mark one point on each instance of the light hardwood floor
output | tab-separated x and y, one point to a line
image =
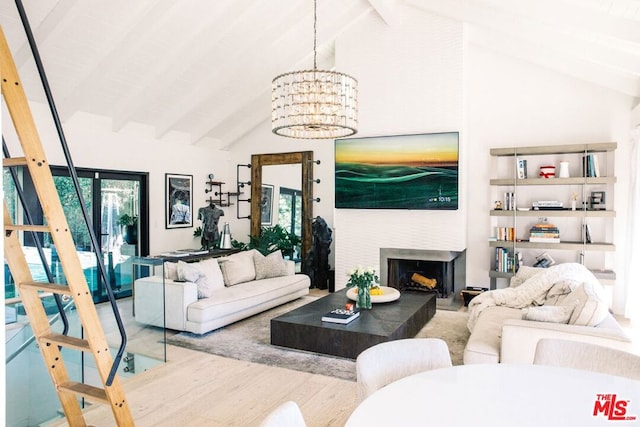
199	389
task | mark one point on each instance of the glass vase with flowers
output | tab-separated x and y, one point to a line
364	279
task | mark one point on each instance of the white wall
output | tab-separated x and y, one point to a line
410	78
94	145
514	103
422	75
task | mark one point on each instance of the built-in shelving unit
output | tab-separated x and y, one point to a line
508	179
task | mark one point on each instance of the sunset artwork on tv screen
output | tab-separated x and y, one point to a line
397	172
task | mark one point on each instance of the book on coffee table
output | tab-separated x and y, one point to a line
340	315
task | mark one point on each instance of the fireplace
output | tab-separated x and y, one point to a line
441	272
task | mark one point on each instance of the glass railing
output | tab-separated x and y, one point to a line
30	396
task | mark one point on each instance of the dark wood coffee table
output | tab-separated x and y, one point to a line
303	328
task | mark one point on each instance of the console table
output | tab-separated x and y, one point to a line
213	253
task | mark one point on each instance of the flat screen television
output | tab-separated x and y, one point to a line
397	172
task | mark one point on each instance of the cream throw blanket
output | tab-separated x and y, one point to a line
532	292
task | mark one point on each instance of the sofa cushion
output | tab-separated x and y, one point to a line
272	265
589	310
187	272
171	270
211	269
548	313
192	273
238	268
484	343
244	296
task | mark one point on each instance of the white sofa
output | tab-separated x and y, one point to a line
219	292
566	302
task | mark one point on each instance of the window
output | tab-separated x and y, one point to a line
108	196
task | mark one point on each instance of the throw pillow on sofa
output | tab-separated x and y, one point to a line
187	272
238	268
590	309
272	265
170	270
211	269
548	313
192	273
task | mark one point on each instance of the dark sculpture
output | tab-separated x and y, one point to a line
210	235
316	263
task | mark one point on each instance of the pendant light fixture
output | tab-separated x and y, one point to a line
314	104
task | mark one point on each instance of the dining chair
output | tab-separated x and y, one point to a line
286	415
588	357
387	362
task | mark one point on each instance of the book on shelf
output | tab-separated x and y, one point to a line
587	234
506	233
509	201
504	263
590	166
544	232
534	239
341	315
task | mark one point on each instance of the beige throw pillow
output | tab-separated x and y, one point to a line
192	273
170	270
548	313
589	309
187	272
211	270
272	265
238	268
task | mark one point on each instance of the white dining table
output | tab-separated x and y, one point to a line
502	395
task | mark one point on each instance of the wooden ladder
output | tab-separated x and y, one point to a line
50	343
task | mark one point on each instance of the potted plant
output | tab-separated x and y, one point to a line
273	238
130	228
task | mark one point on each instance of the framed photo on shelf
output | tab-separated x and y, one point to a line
178	200
266	205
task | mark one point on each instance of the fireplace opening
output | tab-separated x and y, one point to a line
439	272
420	275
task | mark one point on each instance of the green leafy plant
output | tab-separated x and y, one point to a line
272	239
127	219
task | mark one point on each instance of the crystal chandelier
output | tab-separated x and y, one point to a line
314	104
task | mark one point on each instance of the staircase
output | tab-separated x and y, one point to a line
93	341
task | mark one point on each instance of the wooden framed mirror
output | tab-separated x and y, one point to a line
305	159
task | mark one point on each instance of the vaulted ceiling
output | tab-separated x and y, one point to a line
204	68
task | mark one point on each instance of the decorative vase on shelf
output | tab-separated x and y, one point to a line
364	298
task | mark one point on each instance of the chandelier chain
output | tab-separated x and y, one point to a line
314	104
315	34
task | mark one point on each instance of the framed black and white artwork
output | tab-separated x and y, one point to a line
178	200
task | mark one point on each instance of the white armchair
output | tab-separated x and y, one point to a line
387	362
286	415
588	357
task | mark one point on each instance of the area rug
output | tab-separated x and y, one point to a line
249	340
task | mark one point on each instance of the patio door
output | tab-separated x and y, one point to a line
109	195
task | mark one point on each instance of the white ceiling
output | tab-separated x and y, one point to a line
204	67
